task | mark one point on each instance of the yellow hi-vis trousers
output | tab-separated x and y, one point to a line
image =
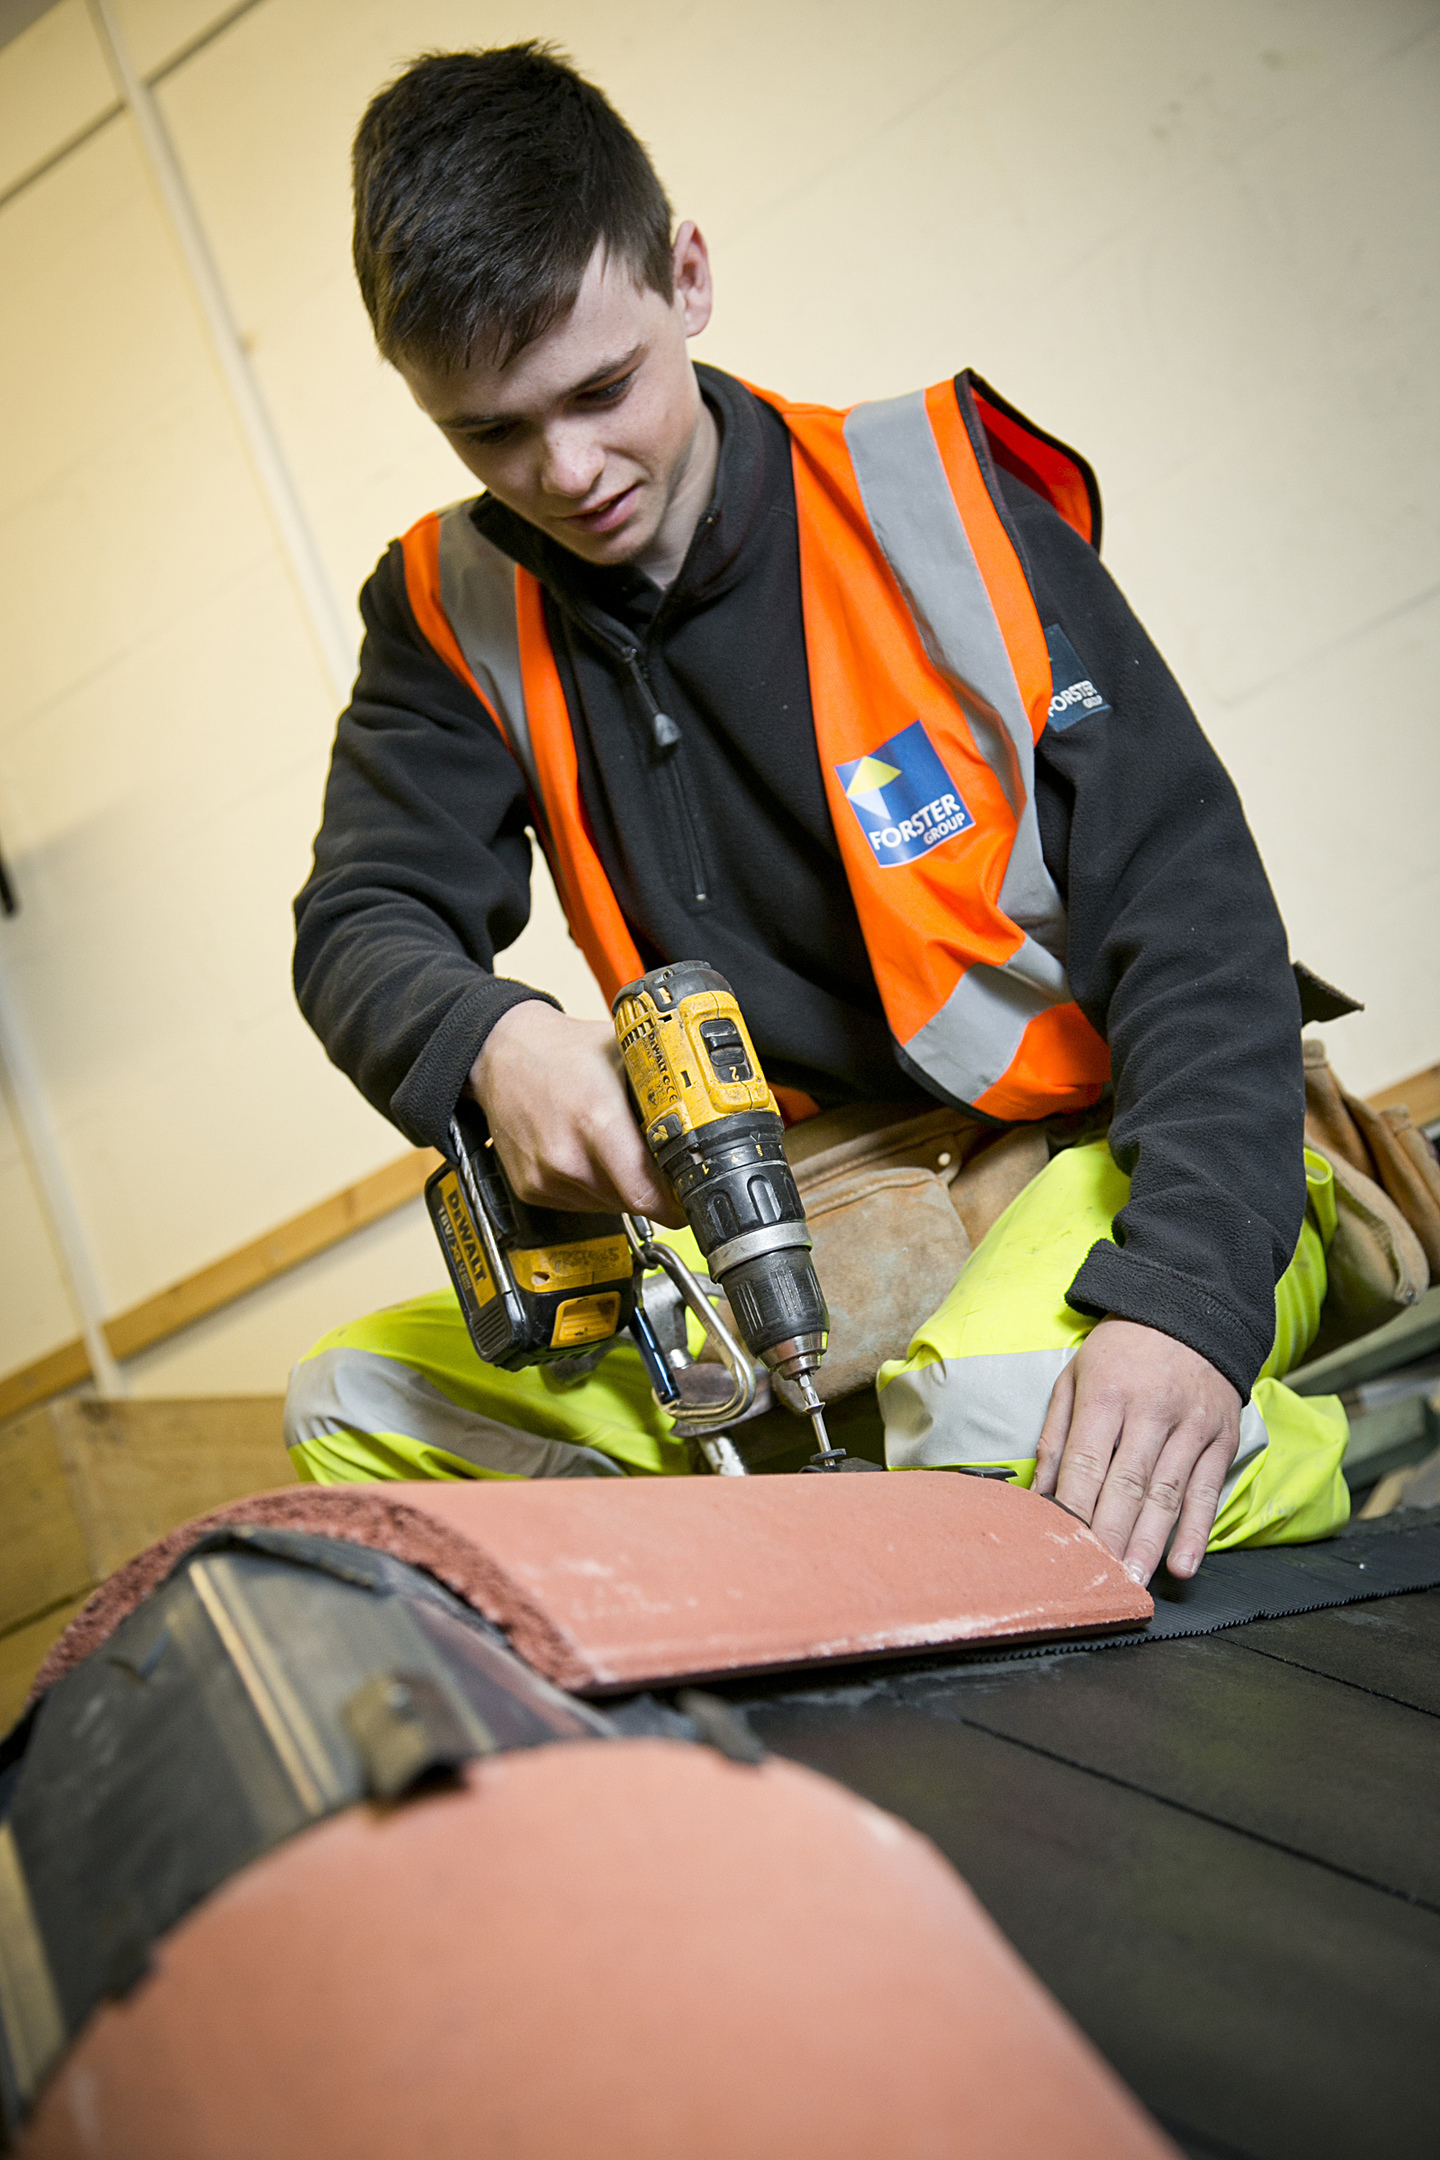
976	1382
401	1393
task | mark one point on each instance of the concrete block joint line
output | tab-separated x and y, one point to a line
333	643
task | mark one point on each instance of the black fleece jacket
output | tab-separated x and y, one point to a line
714	830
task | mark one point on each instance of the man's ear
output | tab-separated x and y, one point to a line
694	287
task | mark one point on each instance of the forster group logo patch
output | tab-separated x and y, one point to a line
903	797
1075	694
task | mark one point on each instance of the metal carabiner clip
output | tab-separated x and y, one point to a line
700	1421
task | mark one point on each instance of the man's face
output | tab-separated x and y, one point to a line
591	432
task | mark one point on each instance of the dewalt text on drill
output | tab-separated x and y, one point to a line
537	1285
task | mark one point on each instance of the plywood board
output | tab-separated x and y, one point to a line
43	1556
87	1484
136	1469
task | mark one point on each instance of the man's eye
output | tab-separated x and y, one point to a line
610	393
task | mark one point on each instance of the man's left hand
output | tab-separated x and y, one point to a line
1141	1431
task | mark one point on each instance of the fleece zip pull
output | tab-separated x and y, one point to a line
663	731
665	736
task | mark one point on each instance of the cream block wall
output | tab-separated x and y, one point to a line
32	1288
1197	242
53	86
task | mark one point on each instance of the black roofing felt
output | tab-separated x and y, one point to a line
1219	1851
1369	1560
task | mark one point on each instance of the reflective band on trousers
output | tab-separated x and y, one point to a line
991	1409
362	1392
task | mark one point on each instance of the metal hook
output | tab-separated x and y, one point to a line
651	1253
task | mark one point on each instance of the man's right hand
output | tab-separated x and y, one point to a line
553	1092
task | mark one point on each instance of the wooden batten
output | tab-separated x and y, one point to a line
274	1254
211	1288
49	1375
1420	1095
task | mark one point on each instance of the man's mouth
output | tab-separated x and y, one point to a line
606	515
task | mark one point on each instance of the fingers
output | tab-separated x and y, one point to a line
1145	1494
1103	1489
1201	1505
1094	1421
597	1166
1054	1433
1184	1487
1146	1431
553	1092
624	1176
1144	1480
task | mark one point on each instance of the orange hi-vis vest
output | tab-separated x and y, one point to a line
930	683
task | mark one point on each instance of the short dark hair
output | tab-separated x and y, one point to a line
484	182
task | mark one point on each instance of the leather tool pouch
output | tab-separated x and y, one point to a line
895	1204
1387	1199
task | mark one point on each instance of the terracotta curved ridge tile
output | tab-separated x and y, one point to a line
630	1950
612	1584
674	1578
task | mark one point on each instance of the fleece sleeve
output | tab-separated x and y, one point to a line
421	874
1177	955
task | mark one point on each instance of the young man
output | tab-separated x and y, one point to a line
847	707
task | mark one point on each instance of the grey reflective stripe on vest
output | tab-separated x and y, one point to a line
972	1040
966	1046
477	592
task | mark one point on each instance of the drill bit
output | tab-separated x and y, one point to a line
816	1411
829	1458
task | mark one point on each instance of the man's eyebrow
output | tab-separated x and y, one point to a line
592	381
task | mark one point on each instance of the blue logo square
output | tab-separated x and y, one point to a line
905	800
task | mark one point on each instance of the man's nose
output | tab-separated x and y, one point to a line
571	462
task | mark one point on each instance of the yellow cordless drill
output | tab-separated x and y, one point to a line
711	1123
537	1286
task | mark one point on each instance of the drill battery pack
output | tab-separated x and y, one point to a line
534	1284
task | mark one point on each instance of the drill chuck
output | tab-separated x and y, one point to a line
778	1308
